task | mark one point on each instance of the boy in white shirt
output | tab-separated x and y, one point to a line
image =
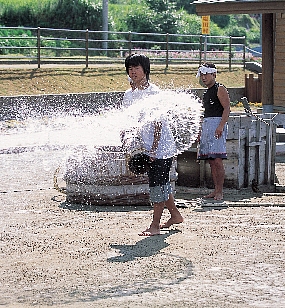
158	143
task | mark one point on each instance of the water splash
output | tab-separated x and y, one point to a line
91	169
92	152
181	110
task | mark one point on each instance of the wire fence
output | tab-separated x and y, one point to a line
50	46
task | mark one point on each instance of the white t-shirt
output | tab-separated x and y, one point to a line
166	145
130	96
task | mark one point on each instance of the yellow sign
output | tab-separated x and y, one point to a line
205	24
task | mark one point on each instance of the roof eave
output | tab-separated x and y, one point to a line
245	7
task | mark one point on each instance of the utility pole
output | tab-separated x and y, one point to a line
105	26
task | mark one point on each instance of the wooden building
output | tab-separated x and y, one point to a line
273	42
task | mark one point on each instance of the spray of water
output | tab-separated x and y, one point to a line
93	152
99	162
182	111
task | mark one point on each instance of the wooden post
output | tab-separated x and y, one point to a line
253	87
259	88
250	92
39	46
167	52
246	85
105	26
130	42
267	61
244	43
230	54
257	152
86	47
200	51
205	47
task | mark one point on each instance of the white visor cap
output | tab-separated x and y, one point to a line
205	70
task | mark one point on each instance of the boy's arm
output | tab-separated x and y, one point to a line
156	138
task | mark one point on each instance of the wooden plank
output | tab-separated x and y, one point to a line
269	155
245	122
241	7
279	96
280	20
231	172
251	153
280	42
279	91
279	55
279	106
248	156
267	58
233	148
258	159
233	127
278	77
279	99
262	129
273	150
242	172
262	163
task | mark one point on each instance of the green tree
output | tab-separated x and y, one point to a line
165	13
186	5
221	20
140	20
189	24
71	14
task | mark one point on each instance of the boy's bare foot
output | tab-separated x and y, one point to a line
172	221
150	232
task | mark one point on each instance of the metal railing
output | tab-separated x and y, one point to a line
46	45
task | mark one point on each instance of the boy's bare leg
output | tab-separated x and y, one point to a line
218	175
176	217
154	228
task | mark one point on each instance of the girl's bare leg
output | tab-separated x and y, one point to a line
218	175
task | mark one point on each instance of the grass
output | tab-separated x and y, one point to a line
20	3
103	78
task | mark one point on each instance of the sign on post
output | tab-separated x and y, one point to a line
206	24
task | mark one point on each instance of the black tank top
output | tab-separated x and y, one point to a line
211	102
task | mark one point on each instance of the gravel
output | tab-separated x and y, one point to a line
68	255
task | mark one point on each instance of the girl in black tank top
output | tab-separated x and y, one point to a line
211	102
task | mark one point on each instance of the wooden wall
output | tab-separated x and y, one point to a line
250	147
279	66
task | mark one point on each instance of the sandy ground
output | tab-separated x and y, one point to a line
63	255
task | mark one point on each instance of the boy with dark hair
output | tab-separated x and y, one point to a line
158	143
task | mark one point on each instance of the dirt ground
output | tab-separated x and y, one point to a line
67	255
51	79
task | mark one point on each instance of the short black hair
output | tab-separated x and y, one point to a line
136	60
209	64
